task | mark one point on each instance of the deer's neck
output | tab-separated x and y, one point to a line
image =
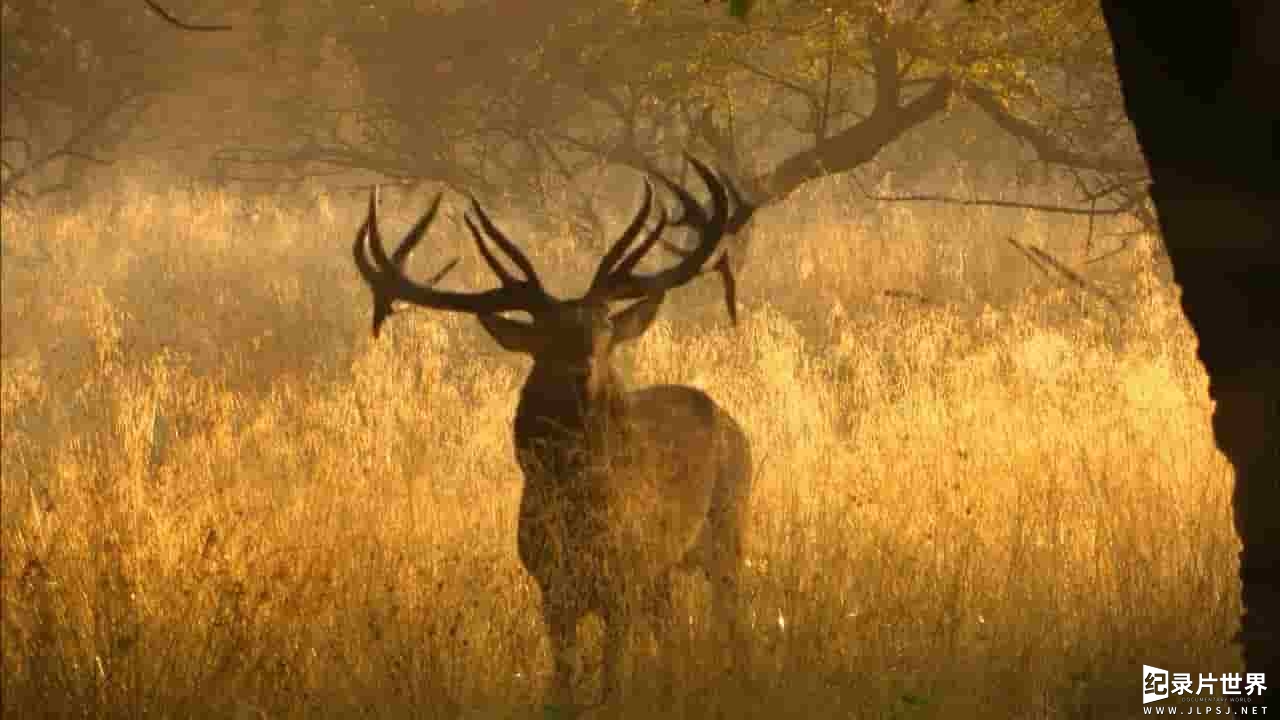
563	423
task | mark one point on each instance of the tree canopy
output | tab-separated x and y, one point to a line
521	98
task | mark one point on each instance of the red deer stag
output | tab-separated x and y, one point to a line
621	488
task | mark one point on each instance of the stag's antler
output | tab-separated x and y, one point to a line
724	268
385	275
742	213
615	277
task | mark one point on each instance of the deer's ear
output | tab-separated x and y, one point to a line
632	322
512	335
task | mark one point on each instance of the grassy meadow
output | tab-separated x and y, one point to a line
987	492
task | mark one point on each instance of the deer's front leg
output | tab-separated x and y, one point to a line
562	629
617	626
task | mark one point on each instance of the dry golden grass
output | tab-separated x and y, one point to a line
221	500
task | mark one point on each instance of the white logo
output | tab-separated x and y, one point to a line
1155	684
1160	684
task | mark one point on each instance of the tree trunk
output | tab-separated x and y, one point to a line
1199	86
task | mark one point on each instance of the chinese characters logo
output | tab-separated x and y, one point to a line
1159	684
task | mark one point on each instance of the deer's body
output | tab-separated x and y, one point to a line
621	488
614	503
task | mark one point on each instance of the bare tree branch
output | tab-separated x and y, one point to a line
22	142
1125	244
1047	148
809	96
858	144
1127	207
67	149
1044	260
76	154
169	18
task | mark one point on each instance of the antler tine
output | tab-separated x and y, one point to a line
629	263
490	259
358	253
694	214
724	268
620	246
442	272
742	210
504	243
370	230
368	233
414	236
385	275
